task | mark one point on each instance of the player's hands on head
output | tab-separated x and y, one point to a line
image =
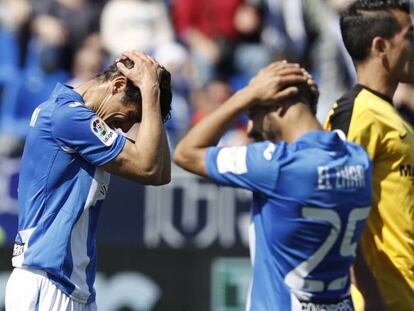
313	88
145	72
276	83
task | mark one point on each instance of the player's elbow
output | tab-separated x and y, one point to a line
163	179
144	173
183	154
192	161
180	157
155	176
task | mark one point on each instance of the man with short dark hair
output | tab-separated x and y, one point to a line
311	190
71	147
379	36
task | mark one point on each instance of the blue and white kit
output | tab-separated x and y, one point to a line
61	189
311	199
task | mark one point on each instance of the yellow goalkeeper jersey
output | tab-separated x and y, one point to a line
370	119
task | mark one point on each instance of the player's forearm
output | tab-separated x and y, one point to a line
166	160
190	151
210	129
150	141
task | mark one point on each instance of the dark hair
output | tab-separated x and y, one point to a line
366	19
133	93
306	96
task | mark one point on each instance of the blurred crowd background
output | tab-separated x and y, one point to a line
212	48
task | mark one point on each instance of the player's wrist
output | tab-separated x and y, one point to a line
150	90
246	98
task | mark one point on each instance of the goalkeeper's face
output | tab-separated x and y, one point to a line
400	50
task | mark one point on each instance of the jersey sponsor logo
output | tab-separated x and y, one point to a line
18	249
407	171
344	305
102	131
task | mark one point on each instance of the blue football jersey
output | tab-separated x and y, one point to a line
311	199
61	189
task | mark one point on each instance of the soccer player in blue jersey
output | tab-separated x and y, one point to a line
311	190
71	147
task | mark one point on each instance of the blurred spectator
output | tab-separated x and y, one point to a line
333	67
307	32
175	58
285	32
14	17
20	98
207	99
87	64
207	28
250	54
226	41
135	25
14	13
61	27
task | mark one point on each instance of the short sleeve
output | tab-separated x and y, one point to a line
254	167
78	129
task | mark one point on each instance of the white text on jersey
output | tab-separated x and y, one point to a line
341	177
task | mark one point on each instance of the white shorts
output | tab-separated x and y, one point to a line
31	290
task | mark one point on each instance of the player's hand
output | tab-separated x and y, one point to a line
276	83
313	87
144	74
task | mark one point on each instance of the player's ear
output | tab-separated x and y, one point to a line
119	84
379	47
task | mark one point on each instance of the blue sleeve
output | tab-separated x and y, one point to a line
78	129
254	167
